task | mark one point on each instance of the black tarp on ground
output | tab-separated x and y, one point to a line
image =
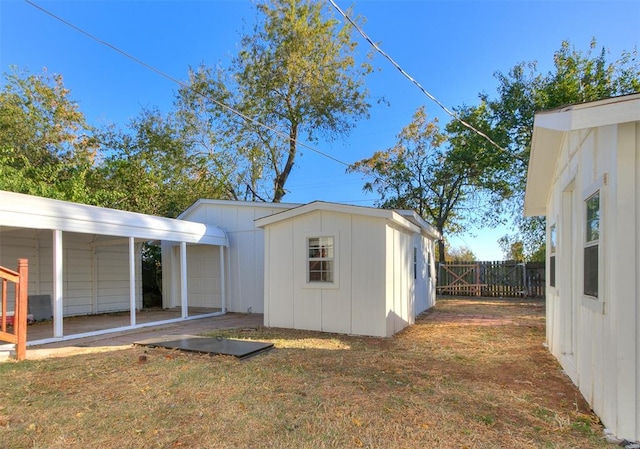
208	345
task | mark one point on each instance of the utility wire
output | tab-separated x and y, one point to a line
410	78
184	85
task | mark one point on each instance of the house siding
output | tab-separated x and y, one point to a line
597	341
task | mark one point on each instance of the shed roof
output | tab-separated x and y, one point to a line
406	219
550	129
27	211
203	202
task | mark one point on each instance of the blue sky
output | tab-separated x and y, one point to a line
453	48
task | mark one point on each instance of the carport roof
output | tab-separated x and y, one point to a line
26	211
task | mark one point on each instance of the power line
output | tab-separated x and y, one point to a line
184	85
410	78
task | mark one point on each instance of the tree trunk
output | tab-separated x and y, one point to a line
281	179
441	249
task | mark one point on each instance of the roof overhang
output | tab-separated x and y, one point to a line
551	128
400	218
26	211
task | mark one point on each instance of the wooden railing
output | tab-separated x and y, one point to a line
19	335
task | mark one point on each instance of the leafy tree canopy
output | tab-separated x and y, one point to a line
46	146
576	77
297	74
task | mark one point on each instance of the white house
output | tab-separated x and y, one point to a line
347	269
584	176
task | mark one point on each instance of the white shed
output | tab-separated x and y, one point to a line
584	176
87	259
347	269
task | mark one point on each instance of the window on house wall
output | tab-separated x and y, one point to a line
592	240
552	254
428	264
320	251
415	263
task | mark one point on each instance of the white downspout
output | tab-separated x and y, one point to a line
57	283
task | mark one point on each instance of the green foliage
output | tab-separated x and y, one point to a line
46	147
445	181
296	73
577	77
153	168
460	254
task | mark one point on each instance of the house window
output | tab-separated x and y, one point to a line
320	259
415	263
552	255
592	240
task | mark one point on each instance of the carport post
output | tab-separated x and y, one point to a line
223	291
132	280
57	283
183	280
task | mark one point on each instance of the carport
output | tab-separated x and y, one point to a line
87	260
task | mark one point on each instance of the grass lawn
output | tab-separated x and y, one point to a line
471	373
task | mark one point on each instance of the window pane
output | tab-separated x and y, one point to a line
593	217
591	271
320	259
553	238
552	271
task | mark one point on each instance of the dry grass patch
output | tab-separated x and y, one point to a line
450	381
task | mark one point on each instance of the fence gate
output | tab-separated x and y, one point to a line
503	279
459	279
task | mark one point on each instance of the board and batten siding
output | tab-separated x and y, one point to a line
95	278
597	339
374	289
244	256
349	305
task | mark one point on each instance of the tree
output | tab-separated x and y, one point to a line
445	182
460	254
46	146
152	168
297	74
577	77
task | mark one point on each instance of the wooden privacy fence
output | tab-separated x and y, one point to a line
502	278
18	321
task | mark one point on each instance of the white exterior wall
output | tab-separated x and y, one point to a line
400	303
354	303
374	291
597	341
95	277
244	257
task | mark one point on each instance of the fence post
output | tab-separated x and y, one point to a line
21	309
525	288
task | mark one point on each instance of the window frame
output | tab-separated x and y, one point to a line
595	303
307	282
553	251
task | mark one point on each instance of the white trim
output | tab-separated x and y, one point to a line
223	284
27	211
335	284
132	280
184	300
58	308
45	341
391	215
